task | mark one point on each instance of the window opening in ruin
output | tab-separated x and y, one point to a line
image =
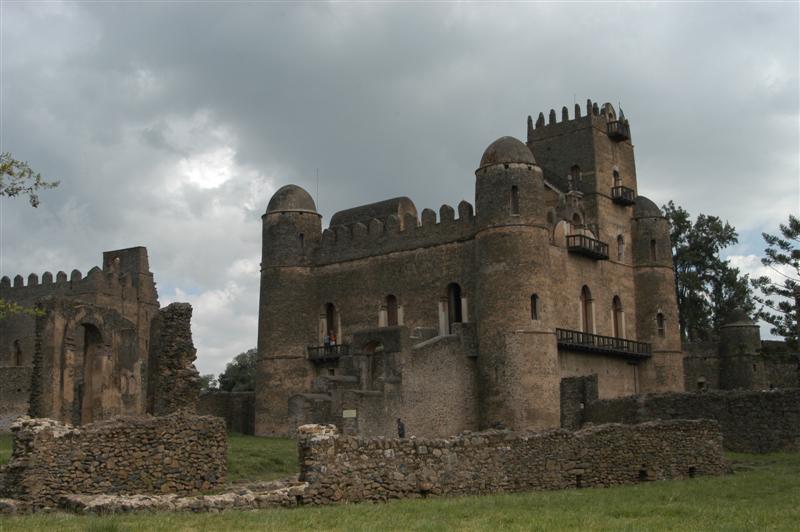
17	353
535	307
701	383
652	250
514	200
91	389
587	310
660	324
692	471
578	481
391	310
453	305
302	240
620	248
617	317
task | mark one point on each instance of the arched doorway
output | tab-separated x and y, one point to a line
391	310
587	310
454	314
90	391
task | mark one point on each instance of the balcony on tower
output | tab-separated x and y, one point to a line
587	246
607	345
619	130
623	195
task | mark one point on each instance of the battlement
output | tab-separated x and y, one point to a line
359	240
600	116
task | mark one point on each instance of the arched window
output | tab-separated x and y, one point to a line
453	305
653	249
620	248
587	310
576	220
617	178
618	318
536	309
660	325
514	200
391	310
330	325
575	172
302	238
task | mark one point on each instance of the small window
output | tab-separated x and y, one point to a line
587	311
514	200
660	325
620	248
17	353
302	240
617	179
617	317
391	310
535	307
653	249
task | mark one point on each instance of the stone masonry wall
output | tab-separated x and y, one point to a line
751	422
179	453
236	408
348	469
14	394
175	383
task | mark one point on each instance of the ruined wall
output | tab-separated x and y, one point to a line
15	389
751	421
179	453
236	408
347	469
576	392
174	381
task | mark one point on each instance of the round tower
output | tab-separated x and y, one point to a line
656	299
739	348
287	317
518	359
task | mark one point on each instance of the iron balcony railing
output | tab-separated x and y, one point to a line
618	130
623	195
321	353
594	343
588	246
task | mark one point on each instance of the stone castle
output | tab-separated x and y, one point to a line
449	323
99	347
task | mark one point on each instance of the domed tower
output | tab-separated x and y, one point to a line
518	362
292	229
656	300
739	347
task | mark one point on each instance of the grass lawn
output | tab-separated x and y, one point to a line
762	494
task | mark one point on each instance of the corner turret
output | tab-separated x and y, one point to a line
291	227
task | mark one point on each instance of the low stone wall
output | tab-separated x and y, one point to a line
15	392
349	469
236	408
180	453
751	422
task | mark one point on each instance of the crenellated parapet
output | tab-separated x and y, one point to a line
359	240
603	117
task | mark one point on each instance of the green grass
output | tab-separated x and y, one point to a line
762	494
251	458
5	448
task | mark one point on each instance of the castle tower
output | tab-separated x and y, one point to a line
291	231
656	300
518	364
739	347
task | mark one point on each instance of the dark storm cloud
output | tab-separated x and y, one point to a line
170	124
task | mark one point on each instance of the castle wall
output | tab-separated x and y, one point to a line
751	422
236	408
14	394
346	469
179	453
616	376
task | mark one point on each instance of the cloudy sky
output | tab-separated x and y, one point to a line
170	124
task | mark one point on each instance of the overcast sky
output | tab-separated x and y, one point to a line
170	124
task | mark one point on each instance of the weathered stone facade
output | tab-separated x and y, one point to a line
751	421
348	469
15	391
236	408
561	270
89	351
179	453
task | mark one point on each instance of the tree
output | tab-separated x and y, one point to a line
780	300
17	178
208	383
708	287
240	374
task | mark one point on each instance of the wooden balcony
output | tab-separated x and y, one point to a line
325	353
587	246
619	131
623	195
607	345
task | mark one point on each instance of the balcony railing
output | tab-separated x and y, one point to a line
618	130
623	195
587	246
594	343
322	353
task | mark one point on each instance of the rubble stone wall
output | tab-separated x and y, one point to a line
14	394
349	469
751	422
175	383
180	453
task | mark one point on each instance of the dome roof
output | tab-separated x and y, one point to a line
291	198
507	150
645	208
